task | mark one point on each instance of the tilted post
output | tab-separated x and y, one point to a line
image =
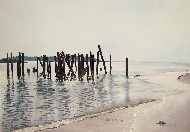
102	59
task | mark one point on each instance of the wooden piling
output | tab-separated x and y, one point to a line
91	63
23	65
126	67
79	68
7	66
75	57
63	61
71	67
82	65
50	70
37	66
12	64
44	67
110	65
47	67
102	59
59	67
97	63
18	69
68	63
87	67
19	66
55	58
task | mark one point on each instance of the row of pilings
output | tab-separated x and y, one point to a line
67	67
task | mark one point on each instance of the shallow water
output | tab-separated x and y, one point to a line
37	102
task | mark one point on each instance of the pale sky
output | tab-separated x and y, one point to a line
142	30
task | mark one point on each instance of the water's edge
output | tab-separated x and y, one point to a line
81	118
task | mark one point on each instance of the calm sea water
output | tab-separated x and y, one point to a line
37	102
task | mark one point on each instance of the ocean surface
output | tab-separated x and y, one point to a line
34	102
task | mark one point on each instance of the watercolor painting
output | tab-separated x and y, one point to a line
95	65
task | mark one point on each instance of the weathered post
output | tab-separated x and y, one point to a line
75	64
110	65
69	63
102	59
7	66
91	63
19	66
12	64
23	65
82	66
18	69
79	68
127	67
50	70
55	58
47	66
59	74
87	67
71	68
44	67
93	67
37	66
97	63
64	66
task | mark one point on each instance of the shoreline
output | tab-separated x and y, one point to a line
142	118
63	123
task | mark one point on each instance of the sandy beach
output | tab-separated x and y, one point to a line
167	114
143	118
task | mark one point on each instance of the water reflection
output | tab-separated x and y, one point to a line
33	102
16	104
26	104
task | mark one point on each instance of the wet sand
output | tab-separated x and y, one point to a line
143	118
172	111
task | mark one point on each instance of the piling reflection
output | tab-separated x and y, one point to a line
26	104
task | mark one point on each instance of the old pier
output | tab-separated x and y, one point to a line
67	66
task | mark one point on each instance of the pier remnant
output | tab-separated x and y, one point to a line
86	66
8	66
12	64
18	67
100	51
127	67
23	65
110	65
37	67
97	63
